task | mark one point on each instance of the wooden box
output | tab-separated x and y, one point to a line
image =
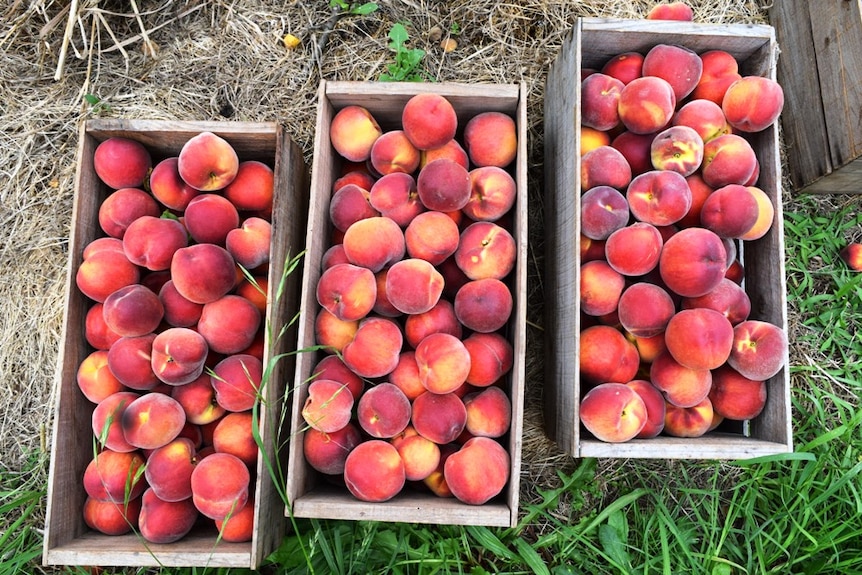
821	71
591	44
309	494
68	540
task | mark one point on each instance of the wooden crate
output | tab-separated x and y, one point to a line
68	540
309	495
591	44
821	71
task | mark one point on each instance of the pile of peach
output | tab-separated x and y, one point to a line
413	306
177	338
668	194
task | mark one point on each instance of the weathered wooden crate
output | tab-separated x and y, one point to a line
593	42
821	71
68	540
309	494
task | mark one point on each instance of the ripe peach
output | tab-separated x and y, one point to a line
655	407
229	324
347	291
443	362
328	406
600	97
207	162
124	206
122	162
151	242
413	286
375	347
253	187
432	236
130	360
382	306
645	309
436	481
735	396
591	139
439	319
728	159
486	250
492	194
115	476
198	400
349	204
851	254
169	470
720	70
374	472
648	348
420	455
613	412
332	367
440	417
178	311
680	66
490	139
491	357
759	349
692	262
647	104
220	485
250	243
152	420
659	197
688	421
406	375
209	218
671	11
489	412
603	211
353	131
332	333
234	434
395	196
168	187
606	355
392	152
730	211
727	298
333	255
236	380
133	311
327	452
104	272
478	471
765	215
753	103
374	243
95	379
111	518
681	386
634	250
451	150
703	116
624	67
635	148
605	166
601	286
383	411
358	176
178	355
238	527
699	192
444	186
699	338
429	121
203	272
678	148
483	305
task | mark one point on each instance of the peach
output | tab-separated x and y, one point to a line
483	305
209	218
374	243
613	412
659	197
753	103
169	470
648	348
234	434
198	400
103	273
491	357
333	255
734	396
851	254
591	139
671	11
229	324
645	309
238	527
429	121
703	116
383	411
178	355
436	481
635	148
328	406
111	518
451	150
606	355
730	211
759	349
440	417
203	272
374	349
655	407
406	375
115	476
439	319
168	187
692	262
647	104
735	272
492	194
350	204
382	306
432	236
152	420
444	186
678	148
680	66
393	152
358	177
95	379
601	286
603	211
327	452
420	455
374	471
605	166
332	367
207	162
728	298
236	381
634	250
122	162
132	311
103	244
699	338
253	187
478	471
249	244
413	286
728	159
486	250
765	215
347	291
443	362
130	360
123	207
453	277
489	412
353	131
151	242
699	192
624	67
600	97
332	333
395	196
490	139
220	485
688	421
681	386
178	311
720	70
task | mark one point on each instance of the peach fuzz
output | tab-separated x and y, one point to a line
605	166
624	67
207	162
429	121
591	139
703	116
735	396
765	215
680	66
443	185
121	163
238	527
851	255
392	152
236	381
332	333
443	362
688	421
753	103
203	272
253	188
699	192
396	197
439	319
440	417
347	291
220	485
374	471
478	471
491	357
111	518
692	262
728	159
420	455
655	407
209	217
489	412
634	250
178	355
168	187
115	476
150	242
600	97
124	206
95	379
699	338
375	347
178	311
169	470
490	139
104	272
601	286
678	148
234	434
635	148
613	412
129	359
432	236
374	243
681	386
483	305
332	367
659	197
646	104
645	309
327	452
728	298
198	400
152	420
350	204
603	211
383	411
486	250
671	11
492	194
353	131
250	243
759	349
606	355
